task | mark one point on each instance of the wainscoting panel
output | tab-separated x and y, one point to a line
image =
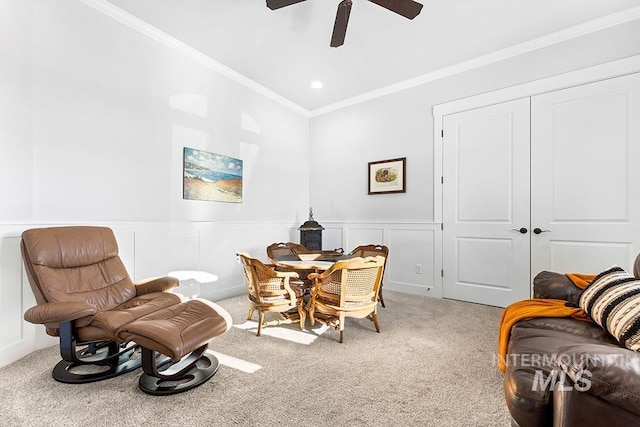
127	249
220	243
256	239
415	252
162	250
357	235
10	272
17	337
203	255
412	261
218	247
333	238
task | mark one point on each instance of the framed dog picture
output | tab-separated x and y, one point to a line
387	176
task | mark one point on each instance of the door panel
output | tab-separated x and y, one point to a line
477	253
485	202
587	257
583	180
484	170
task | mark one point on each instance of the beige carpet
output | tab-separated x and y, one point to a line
433	364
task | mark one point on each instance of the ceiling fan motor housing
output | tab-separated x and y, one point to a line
407	8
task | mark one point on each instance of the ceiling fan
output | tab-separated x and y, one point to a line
407	8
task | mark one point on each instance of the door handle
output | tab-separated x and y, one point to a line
522	230
538	231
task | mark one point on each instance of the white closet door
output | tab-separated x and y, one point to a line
486	258
585	180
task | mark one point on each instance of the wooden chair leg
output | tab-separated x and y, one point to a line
260	321
250	313
302	314
312	320
380	297
374	319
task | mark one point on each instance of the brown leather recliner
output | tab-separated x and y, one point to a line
86	297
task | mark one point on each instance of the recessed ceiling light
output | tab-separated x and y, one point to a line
316	84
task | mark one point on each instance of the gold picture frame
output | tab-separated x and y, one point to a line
388	176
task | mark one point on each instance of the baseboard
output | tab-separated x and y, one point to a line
412	289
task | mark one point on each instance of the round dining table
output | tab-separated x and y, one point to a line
298	264
305	263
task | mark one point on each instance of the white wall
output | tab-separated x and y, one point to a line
105	111
94	115
93	120
401	125
16	107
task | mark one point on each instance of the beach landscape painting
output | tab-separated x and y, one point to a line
211	177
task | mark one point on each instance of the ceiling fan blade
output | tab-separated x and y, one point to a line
340	26
277	4
407	8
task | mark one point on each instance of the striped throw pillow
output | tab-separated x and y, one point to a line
613	302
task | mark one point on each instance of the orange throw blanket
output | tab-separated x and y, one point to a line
538	307
581	280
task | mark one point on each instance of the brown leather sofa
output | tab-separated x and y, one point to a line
568	372
109	325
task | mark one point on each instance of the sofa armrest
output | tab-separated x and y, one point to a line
573	408
58	312
608	372
548	284
156	284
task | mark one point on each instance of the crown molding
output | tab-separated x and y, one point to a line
570	33
154	33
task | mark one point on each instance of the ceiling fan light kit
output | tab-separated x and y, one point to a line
407	8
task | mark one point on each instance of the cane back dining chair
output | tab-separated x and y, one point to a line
271	290
291	250
373	250
348	289
278	250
